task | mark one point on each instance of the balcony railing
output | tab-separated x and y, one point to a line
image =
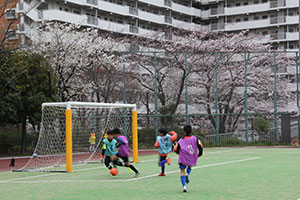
277	3
278	36
168	19
93	2
133	11
92	20
277	19
168	3
133	29
216	11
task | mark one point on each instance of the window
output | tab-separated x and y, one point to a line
10	14
256	2
256	18
264	1
238	4
238	20
246	19
246	3
12	35
265	17
76	11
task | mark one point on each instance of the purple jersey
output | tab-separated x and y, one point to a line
124	146
188	151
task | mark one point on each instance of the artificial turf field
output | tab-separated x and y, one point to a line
221	173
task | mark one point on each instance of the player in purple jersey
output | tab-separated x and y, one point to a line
188	156
123	150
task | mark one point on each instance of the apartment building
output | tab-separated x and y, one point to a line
277	20
133	17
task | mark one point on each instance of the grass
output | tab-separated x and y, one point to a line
222	173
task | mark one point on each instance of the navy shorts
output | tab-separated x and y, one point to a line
181	166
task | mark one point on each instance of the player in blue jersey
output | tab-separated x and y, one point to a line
164	145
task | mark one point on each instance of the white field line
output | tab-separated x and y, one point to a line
125	180
45	175
51	174
202	166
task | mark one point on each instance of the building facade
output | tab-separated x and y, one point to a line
276	20
9	20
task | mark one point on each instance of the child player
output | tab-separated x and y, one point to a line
123	149
164	145
187	150
103	147
110	152
92	140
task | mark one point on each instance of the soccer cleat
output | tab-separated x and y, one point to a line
136	175
187	180
169	161
185	189
161	174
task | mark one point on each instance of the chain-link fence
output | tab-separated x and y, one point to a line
223	95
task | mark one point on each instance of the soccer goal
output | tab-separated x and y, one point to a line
65	129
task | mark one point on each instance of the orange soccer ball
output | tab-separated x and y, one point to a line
113	171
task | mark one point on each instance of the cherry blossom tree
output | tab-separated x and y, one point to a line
73	52
203	53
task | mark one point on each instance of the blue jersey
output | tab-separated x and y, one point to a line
110	147
165	144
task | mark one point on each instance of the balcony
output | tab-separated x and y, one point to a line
113	8
182	9
292	3
278	36
241	10
64	17
159	19
247	25
277	20
292	36
292	19
186	25
157	3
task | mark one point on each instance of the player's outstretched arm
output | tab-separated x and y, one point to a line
200	148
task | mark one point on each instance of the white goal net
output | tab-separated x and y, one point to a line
50	151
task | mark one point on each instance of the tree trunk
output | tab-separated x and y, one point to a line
23	145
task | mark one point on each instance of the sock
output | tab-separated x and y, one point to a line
162	162
133	168
182	179
163	169
188	170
